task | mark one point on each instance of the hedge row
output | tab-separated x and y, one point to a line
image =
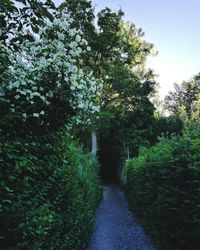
163	188
49	193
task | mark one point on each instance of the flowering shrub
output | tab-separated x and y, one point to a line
50	188
44	81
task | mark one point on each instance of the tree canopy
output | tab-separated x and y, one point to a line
185	99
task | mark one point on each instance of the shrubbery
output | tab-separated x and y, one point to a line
163	187
49	192
49	186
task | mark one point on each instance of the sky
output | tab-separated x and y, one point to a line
173	26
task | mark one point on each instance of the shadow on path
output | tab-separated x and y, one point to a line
115	226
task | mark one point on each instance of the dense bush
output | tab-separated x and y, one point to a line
167	126
49	192
163	187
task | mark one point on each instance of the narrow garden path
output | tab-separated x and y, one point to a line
115	226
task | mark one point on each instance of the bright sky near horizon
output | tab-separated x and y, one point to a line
173	27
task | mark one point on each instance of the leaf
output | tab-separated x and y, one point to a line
20	27
35	28
29	37
8	189
7	201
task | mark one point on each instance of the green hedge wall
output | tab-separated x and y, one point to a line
163	188
49	192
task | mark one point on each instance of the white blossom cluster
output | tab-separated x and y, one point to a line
86	94
41	68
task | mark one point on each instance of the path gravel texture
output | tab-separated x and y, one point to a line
115	226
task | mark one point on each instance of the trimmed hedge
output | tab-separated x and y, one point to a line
49	193
163	188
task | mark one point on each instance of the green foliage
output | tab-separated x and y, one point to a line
83	12
184	101
31	14
163	187
49	193
127	112
118	54
165	126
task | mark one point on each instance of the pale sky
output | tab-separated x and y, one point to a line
173	27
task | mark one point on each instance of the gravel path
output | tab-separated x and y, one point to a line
115	227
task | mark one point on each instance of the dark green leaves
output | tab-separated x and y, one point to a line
163	185
29	15
49	193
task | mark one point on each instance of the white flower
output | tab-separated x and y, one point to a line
61	36
88	48
17	97
73	44
34	88
24	115
72	32
47	102
60	45
101	85
22	92
78	120
96	109
71	20
78	38
65	24
72	87
56	21
81	105
84	42
36	115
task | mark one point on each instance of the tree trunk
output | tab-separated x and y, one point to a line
128	153
94	142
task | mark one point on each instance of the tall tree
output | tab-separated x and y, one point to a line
127	110
185	97
118	54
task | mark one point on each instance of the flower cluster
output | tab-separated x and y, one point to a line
48	68
86	95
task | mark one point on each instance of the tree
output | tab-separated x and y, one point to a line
127	86
117	56
185	97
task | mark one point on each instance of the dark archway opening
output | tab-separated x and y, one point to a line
110	162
